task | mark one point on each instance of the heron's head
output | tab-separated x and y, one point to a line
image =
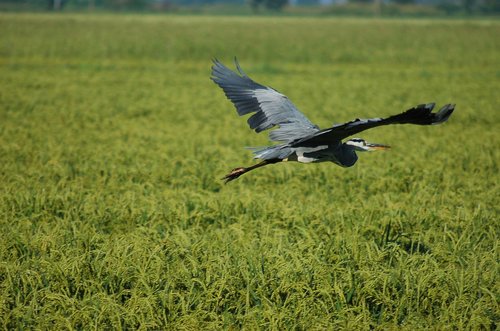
362	145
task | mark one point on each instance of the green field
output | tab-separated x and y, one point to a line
113	141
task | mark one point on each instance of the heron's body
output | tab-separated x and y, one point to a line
320	153
299	139
336	153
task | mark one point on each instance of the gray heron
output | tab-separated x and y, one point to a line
297	138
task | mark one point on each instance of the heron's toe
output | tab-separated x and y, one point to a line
235	173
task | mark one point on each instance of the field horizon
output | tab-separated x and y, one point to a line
113	141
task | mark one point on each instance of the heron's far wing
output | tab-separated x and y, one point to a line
269	107
420	115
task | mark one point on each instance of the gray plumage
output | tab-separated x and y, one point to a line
269	107
299	139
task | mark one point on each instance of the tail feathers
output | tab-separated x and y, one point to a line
271	152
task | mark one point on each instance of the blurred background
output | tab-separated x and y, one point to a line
113	140
412	8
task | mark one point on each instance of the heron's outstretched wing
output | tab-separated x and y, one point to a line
420	115
270	107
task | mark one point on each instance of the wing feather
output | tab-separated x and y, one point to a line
270	107
419	115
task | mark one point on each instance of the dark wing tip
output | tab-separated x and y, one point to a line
220	69
430	106
220	72
216	63
443	114
423	115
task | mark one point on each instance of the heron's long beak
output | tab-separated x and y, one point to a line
377	147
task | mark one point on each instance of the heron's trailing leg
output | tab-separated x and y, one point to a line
237	172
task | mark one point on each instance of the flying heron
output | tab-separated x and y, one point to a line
298	138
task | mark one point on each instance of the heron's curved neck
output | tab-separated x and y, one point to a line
347	155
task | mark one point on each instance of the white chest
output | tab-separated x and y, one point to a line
310	151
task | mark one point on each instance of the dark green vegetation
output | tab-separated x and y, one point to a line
113	140
386	8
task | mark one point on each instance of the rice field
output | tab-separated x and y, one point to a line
113	141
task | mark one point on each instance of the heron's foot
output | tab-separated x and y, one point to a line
235	173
